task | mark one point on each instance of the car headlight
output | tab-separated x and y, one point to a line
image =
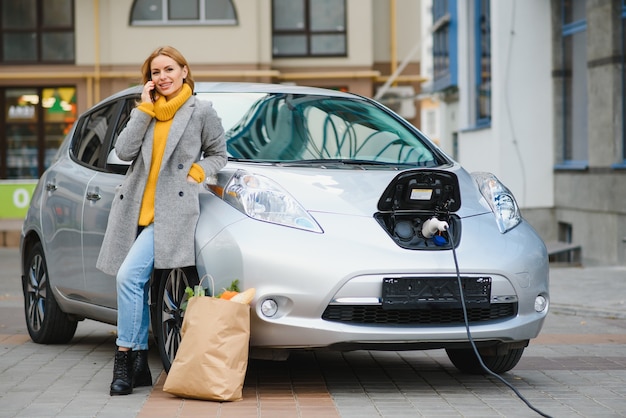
500	200
262	199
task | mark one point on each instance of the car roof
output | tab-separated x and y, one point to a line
241	87
220	87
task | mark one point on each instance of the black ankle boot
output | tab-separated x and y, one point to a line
141	371
122	383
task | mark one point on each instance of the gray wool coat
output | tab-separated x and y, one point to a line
195	131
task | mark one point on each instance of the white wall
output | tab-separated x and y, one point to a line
408	25
517	147
425	36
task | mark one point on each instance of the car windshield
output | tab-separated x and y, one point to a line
317	129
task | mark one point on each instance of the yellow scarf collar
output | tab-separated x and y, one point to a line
166	109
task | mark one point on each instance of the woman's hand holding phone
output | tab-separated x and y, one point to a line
149	92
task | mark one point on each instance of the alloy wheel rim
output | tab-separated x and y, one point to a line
172	312
36	293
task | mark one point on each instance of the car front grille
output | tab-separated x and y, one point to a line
375	314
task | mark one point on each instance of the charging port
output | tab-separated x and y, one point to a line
416	209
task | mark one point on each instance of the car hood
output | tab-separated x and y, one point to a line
354	190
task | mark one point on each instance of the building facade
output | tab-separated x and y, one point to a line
588	39
533	91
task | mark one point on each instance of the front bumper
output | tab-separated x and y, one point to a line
306	274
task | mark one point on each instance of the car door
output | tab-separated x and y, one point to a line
100	288
66	186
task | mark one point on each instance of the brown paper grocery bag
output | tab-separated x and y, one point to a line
212	358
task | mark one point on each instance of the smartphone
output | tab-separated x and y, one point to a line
152	92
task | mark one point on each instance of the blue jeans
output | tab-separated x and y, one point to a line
133	284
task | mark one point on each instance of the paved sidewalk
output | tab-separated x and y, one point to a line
592	291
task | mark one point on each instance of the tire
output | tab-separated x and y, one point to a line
46	322
466	361
168	315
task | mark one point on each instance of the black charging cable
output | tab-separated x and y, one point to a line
469	334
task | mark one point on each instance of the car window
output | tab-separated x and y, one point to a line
90	137
129	105
290	127
113	163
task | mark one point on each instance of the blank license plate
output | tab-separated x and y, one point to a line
435	293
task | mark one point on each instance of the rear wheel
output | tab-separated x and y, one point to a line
466	361
45	321
168	315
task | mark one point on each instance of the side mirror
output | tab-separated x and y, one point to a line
115	164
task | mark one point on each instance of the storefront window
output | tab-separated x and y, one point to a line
59	110
36	122
21	133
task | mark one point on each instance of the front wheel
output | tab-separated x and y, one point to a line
169	313
466	361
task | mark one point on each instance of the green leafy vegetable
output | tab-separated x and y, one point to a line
234	287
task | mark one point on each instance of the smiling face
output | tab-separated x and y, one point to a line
167	75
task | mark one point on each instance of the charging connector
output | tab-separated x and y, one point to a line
432	226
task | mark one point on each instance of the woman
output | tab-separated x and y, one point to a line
155	210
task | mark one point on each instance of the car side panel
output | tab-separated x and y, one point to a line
99	287
64	188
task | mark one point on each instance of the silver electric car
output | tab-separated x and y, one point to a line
356	231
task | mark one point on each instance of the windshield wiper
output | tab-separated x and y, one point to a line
334	161
323	162
251	160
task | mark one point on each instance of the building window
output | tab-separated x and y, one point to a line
37	31
183	12
574	88
309	28
483	62
444	44
37	121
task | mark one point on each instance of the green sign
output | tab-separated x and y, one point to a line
15	198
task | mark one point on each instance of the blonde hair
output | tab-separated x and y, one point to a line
174	54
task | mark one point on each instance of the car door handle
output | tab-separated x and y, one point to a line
50	187
93	196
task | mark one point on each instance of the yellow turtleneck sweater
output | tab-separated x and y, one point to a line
164	111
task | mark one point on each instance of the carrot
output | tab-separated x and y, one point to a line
228	294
